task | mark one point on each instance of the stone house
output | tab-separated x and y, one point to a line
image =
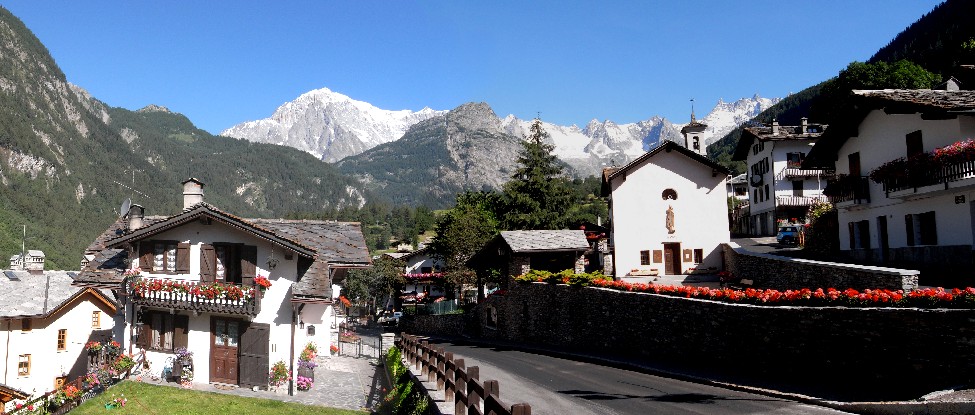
517	252
781	190
905	192
45	323
669	212
197	279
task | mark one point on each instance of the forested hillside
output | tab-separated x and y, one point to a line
66	159
940	41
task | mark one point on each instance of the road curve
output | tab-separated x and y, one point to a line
556	386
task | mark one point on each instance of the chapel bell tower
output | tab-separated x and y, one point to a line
693	134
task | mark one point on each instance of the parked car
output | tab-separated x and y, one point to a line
788	235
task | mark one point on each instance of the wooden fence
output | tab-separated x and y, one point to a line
459	383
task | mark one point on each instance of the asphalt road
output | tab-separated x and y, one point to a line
556	386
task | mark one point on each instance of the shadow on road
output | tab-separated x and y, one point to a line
699	398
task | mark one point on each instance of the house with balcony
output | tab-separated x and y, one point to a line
906	179
45	323
668	212
423	274
238	293
780	189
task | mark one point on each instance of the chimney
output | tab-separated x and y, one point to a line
136	214
775	127
192	192
805	125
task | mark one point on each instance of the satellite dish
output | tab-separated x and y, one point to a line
126	204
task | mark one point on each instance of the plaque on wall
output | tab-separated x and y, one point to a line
658	256
688	255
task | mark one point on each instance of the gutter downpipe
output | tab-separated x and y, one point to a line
291	356
6	359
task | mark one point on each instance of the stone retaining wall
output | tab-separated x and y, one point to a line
444	324
878	352
783	273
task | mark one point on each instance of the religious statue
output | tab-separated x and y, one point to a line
670	220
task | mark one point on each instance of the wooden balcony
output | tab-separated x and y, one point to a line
922	181
195	296
849	190
795	171
798	200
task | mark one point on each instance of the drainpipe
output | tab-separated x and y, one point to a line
6	359
291	356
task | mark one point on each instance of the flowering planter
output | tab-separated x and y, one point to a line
306	372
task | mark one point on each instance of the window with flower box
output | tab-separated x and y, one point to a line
164	257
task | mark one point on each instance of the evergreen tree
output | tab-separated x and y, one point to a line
537	196
463	231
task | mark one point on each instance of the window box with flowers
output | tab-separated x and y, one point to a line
196	296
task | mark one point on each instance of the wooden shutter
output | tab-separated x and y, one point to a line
254	357
183	258
208	263
142	341
909	224
145	256
248	264
181	326
853	238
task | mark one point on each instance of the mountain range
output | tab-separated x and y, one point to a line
333	126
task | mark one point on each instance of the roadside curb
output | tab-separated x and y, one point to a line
865	408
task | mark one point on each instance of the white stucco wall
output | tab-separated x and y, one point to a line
47	362
883	138
276	308
639	211
416	263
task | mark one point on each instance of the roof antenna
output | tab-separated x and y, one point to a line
692	111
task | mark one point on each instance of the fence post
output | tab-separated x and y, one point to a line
521	409
492	388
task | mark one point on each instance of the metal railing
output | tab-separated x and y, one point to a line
849	188
798	200
913	179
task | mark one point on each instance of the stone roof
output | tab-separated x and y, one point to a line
330	244
27	294
545	240
924	98
784	133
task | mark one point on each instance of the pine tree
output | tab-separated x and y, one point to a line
537	196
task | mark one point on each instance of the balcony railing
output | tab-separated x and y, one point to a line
795	171
849	188
915	178
798	200
196	296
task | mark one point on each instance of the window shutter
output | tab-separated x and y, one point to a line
180	330
208	263
909	224
248	264
145	256
183	258
142	341
853	238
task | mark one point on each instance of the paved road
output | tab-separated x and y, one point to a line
556	386
765	245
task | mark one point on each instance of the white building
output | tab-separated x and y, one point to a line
45	323
669	212
193	283
780	189
917	211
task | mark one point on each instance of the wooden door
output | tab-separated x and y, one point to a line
854	163
254	356
224	346
672	259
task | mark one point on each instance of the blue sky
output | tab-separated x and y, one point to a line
223	62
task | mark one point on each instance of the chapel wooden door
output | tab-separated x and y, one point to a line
672	259
224	346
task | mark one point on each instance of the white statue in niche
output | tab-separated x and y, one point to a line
670	220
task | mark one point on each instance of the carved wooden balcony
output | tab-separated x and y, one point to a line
196	296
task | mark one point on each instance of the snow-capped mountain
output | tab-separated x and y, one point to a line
329	125
333	126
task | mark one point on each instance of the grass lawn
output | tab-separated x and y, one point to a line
146	399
